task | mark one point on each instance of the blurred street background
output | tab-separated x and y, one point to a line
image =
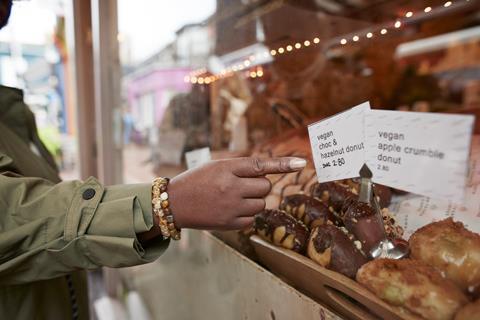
157	40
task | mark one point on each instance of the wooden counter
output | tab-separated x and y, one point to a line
202	278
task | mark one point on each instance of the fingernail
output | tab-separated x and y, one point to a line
297	163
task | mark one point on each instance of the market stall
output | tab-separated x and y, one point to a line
280	66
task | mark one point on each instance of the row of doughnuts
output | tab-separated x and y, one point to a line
330	226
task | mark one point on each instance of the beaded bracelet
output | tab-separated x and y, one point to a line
161	208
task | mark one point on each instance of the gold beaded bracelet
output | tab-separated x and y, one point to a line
161	208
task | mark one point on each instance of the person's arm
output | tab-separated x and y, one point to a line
47	230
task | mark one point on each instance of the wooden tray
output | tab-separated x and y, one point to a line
329	287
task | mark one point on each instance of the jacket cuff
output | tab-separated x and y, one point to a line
141	196
108	220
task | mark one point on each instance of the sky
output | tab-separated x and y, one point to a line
148	25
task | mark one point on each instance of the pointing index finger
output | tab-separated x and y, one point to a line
256	167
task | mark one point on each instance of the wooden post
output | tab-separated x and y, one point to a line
80	82
107	78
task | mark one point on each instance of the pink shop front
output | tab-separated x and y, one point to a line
148	96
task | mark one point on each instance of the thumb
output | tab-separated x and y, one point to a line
256	167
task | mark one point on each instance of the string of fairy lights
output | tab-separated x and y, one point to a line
246	66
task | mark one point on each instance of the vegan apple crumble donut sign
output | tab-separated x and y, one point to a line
423	153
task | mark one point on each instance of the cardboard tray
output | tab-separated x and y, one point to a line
340	293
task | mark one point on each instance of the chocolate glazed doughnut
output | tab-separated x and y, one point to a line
330	247
309	210
333	193
281	229
360	219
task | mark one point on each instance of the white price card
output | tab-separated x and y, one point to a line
198	157
423	153
337	144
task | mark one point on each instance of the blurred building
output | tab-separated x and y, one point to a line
151	84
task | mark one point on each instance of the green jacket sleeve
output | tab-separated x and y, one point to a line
48	230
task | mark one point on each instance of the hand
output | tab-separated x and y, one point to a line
225	194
